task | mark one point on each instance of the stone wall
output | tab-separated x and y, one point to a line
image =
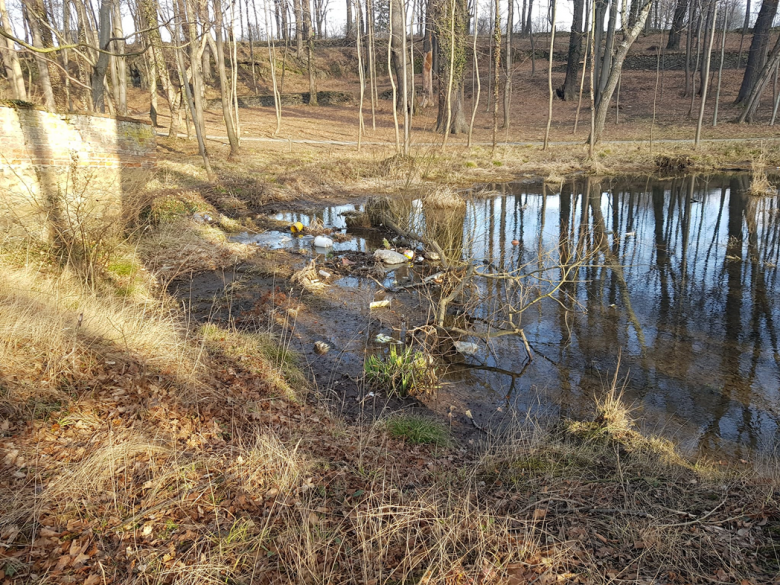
68	166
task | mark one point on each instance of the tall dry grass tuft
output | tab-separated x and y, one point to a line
52	328
443	197
759	182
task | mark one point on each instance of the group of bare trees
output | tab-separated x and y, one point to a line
74	54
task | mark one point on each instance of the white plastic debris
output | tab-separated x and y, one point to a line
379	304
202	217
323	242
389	257
321	347
324	274
466	347
382	338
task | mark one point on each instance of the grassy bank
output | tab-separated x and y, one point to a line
139	445
273	172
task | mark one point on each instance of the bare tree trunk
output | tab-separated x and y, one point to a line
390	75
224	86
745	26
99	73
11	58
698	55
309	32
568	91
452	58
371	61
606	65
617	66
349	30
476	68
33	15
689	47
706	71
720	69
549	75
195	63
120	89
297	7
191	106
751	103
496	69
588	43
508	62
361	75
758	46
272	61
677	25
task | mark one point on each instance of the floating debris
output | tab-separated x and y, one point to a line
466	347
382	338
379	304
323	242
390	257
296	228
321	348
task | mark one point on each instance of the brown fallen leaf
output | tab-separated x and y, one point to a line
540	513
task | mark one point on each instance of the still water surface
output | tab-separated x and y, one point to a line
680	281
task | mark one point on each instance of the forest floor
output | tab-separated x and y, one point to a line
152	433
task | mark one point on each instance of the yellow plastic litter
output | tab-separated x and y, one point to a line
409	254
296	228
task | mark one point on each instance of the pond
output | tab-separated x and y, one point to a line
675	278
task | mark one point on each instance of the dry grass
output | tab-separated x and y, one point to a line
443	198
759	183
51	327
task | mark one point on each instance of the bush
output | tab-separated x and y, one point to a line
401	372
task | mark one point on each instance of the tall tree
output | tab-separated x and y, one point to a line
678	24
159	67
41	37
706	69
569	89
309	33
758	48
762	80
630	35
349	30
298	9
450	35
427	60
120	87
496	67
510	20
10	57
224	86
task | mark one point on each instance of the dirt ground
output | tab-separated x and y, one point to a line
648	104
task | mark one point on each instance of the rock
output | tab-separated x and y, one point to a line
390	257
323	242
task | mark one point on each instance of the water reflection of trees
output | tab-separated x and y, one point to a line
681	279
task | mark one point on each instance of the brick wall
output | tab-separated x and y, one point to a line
52	164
